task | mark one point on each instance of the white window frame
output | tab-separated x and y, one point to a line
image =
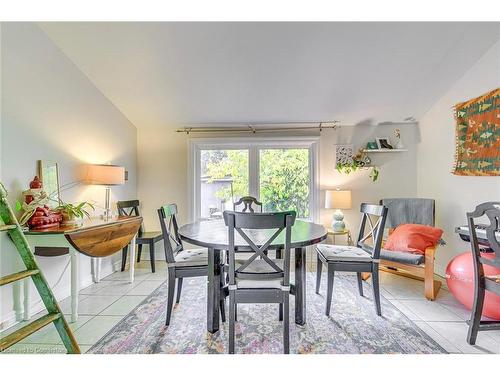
253	145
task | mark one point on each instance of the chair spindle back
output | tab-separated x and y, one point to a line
375	230
492	211
170	230
130	208
243	223
247	203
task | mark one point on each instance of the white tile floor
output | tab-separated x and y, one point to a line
103	305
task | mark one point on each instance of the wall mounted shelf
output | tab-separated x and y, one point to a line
385	150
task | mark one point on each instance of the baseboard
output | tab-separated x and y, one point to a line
10	319
440	270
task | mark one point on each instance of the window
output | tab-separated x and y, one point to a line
281	173
223	179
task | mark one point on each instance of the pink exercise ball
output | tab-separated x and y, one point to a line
460	280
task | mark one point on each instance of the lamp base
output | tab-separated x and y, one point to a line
107	210
338	224
107	215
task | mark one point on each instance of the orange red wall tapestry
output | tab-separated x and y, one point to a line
478	136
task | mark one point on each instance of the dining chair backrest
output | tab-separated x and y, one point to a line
249	225
492	211
130	208
374	230
247	203
170	230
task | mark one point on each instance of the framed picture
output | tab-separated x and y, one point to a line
384	143
48	173
343	154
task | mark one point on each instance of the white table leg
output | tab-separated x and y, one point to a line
16	290
74	285
131	251
92	269
98	270
26	297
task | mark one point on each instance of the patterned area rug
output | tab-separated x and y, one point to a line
353	327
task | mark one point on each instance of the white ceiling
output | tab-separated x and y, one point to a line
158	73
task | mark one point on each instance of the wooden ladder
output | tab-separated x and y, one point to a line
9	224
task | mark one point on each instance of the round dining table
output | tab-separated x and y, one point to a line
213	234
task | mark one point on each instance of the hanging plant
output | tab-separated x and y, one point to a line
360	160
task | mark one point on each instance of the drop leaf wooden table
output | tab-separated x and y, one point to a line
96	238
213	234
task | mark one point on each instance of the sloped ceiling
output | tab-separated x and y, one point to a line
160	73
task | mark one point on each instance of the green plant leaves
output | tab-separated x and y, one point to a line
374	174
360	160
76	210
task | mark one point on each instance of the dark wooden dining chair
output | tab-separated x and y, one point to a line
259	279
247	202
181	262
360	258
482	282
131	208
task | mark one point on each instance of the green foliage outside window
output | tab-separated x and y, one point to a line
284	177
226	164
284	180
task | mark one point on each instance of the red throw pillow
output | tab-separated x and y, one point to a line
413	238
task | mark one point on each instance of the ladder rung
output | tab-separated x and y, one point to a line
4	228
17	276
27	330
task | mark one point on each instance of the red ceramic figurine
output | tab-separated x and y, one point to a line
43	217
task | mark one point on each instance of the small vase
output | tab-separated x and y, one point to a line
399	144
338	224
70	220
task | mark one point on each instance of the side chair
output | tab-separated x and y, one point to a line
248	202
259	279
482	282
181	262
362	258
131	208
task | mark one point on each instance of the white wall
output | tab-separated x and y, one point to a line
397	177
163	165
51	111
455	195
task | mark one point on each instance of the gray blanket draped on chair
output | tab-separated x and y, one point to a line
409	211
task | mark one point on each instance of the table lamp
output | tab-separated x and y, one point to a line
104	174
338	199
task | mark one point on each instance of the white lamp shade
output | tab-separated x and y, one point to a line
340	199
103	174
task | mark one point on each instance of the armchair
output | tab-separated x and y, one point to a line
415	266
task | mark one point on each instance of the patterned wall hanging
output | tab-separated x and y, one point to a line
478	136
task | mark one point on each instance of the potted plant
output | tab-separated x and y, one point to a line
73	213
360	160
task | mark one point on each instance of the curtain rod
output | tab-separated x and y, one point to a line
253	129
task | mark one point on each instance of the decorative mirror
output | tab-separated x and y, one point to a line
48	173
